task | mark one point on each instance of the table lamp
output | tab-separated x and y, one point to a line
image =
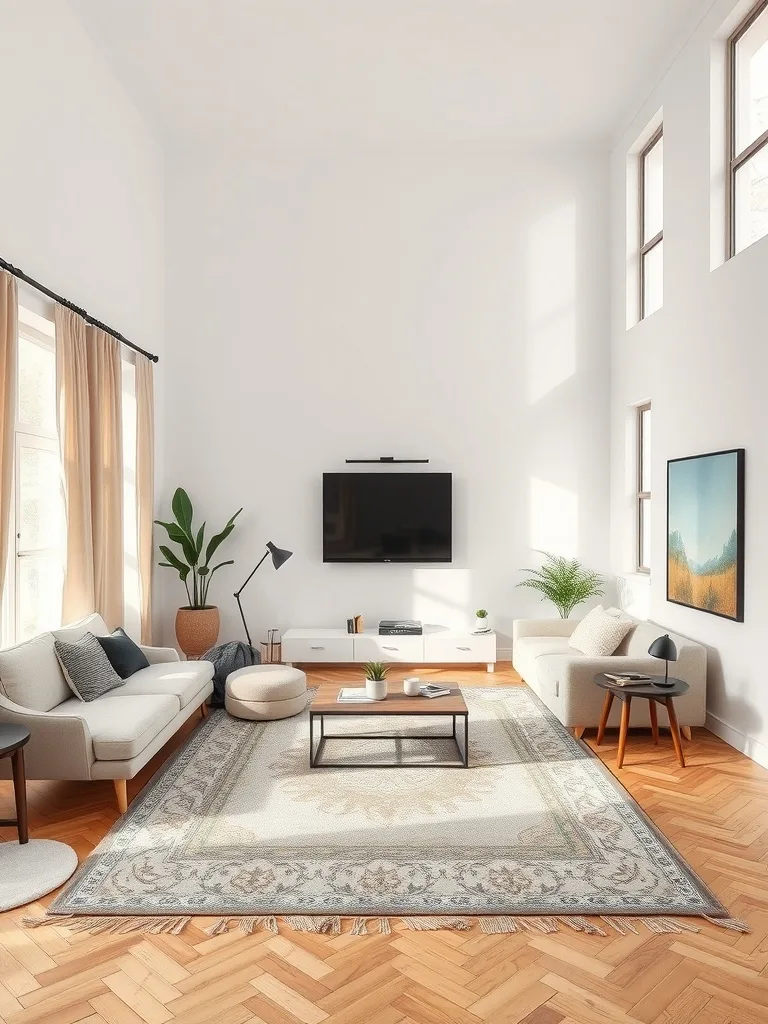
279	557
664	647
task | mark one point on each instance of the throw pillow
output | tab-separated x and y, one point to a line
599	633
86	668
125	656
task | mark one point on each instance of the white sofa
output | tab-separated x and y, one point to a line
564	678
111	737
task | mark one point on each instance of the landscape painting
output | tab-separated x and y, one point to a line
705	533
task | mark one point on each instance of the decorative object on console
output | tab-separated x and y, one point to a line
400	627
664	647
226	659
481	621
376	680
197	623
564	582
411	686
359	624
279	557
270	648
705	533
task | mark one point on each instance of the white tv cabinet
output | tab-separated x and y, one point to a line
436	646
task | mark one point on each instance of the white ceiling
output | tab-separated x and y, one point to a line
267	72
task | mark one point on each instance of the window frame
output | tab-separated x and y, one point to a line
735	161
645	247
641	496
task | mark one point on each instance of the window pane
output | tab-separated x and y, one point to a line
645	533
645	447
40	502
653	192
653	279
37	387
751	200
752	83
40	581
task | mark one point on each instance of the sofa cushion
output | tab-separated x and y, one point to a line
75	631
536	646
86	668
121	727
125	656
30	675
182	680
599	633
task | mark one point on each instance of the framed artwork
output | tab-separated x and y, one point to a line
705	533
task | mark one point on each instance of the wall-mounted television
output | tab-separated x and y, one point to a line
387	517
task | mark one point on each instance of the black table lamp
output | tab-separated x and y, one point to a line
663	647
279	557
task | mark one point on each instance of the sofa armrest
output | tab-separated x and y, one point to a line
158	655
587	667
542	627
60	746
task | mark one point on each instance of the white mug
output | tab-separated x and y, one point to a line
411	686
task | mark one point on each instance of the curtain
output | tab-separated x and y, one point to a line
8	334
145	485
74	441
106	472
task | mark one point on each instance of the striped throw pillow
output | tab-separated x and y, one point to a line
599	633
86	667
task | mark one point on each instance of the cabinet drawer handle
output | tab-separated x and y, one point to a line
317	648
463	648
385	648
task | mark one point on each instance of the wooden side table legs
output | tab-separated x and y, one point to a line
625	706
20	796
675	730
604	716
654	721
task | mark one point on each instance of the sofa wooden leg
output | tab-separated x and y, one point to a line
578	731
686	731
204	710
121	792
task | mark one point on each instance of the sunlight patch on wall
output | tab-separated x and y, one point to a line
554	519
442	596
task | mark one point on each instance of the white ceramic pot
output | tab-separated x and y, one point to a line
482	624
376	689
411	686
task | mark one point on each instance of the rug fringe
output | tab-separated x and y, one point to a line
318	925
734	923
113	925
433	924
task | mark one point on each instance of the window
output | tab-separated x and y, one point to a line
651	234
747	130
643	546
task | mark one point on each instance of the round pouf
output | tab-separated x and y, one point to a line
30	870
266	692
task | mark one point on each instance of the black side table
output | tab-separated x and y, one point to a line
654	694
12	740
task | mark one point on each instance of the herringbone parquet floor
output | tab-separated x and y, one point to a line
715	811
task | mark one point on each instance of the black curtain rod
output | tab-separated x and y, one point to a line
75	309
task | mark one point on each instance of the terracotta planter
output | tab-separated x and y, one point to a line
197	630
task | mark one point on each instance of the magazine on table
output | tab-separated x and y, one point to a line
353	695
627	678
433	690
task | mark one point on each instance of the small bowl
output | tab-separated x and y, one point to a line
411	686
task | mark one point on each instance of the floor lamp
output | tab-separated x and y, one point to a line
279	557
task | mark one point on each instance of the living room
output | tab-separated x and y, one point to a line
498	266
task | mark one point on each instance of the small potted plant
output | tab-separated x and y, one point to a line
481	621
376	680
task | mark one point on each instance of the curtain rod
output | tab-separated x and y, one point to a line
5	265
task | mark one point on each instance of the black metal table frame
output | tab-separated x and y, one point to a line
314	755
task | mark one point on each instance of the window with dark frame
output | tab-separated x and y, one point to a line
643	537
747	131
651	204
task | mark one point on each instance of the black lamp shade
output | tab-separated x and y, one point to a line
279	555
663	647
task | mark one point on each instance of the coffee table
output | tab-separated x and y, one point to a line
325	705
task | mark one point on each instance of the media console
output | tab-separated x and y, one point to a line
436	646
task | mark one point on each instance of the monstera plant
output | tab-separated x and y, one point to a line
197	622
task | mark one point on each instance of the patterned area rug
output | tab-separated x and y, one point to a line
238	824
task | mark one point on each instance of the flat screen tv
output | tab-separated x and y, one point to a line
387	517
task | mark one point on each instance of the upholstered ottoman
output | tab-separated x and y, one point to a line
265	692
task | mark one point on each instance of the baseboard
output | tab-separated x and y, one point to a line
755	750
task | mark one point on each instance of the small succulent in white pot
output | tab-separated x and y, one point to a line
376	680
481	620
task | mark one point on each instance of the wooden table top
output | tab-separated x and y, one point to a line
395	703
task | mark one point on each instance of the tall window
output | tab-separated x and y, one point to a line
747	121
643	547
651	201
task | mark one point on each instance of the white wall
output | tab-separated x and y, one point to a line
702	362
449	305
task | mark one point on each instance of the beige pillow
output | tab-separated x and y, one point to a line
599	633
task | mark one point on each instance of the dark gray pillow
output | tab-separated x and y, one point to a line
124	655
86	668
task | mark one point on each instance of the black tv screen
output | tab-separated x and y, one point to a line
387	517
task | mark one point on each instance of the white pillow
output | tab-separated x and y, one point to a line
599	633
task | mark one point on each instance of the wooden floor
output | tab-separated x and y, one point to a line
715	811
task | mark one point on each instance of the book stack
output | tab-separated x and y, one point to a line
433	690
628	678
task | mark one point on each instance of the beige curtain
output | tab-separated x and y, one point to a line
145	485
8	333
106	454
74	440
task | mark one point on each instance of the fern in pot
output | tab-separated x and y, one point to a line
376	680
563	581
197	622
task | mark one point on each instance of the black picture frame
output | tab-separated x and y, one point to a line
732	606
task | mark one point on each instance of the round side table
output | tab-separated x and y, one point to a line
12	740
654	694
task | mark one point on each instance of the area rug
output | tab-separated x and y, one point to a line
535	833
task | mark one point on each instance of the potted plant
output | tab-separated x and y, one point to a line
197	622
564	582
376	680
481	621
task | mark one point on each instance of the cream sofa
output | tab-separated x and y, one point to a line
111	737
564	678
